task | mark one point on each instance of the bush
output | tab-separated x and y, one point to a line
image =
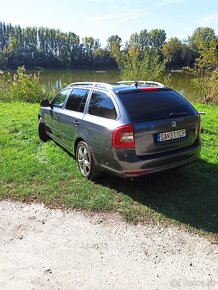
207	85
146	66
21	87
206	72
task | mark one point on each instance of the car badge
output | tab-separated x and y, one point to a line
174	124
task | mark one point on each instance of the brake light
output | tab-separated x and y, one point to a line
149	89
123	137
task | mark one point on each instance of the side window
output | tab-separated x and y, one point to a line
59	99
77	100
102	105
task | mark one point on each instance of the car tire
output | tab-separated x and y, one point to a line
42	131
86	161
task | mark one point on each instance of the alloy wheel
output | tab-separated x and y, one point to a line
83	159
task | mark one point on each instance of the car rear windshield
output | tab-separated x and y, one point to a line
155	105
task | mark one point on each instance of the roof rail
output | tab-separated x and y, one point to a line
93	84
149	83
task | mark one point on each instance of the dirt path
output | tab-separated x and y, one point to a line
51	249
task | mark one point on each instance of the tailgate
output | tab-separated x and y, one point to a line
165	135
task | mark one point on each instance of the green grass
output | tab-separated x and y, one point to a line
33	171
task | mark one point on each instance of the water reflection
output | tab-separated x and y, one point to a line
57	79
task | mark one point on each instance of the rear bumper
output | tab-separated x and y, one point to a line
126	164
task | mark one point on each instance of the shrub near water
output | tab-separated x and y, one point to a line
21	87
141	66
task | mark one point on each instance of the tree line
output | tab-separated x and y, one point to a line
51	48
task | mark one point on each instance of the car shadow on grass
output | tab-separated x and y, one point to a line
188	194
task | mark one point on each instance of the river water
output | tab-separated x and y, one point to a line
57	79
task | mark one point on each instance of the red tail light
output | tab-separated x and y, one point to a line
123	137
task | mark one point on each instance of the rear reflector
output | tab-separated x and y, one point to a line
123	137
136	172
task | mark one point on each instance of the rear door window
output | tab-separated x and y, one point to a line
77	100
102	105
59	99
154	105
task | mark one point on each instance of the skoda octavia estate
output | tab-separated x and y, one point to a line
128	128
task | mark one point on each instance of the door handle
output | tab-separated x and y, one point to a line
76	123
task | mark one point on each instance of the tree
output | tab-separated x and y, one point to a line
156	38
3	60
143	39
172	51
134	40
178	54
90	44
102	58
188	55
51	48
201	35
114	43
139	40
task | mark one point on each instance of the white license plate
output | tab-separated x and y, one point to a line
165	136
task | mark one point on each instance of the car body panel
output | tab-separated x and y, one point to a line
50	118
69	124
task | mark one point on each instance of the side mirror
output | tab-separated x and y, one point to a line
45	103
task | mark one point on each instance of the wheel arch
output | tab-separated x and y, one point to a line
76	143
90	147
95	170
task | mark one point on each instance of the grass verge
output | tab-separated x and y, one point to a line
34	171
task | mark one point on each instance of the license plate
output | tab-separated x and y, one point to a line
165	136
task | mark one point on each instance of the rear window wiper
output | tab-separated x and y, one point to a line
177	114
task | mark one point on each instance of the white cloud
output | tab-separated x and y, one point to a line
167	2
119	17
211	17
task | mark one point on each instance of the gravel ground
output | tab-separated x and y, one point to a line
42	248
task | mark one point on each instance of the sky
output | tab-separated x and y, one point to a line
103	18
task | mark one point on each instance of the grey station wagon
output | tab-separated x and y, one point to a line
129	128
